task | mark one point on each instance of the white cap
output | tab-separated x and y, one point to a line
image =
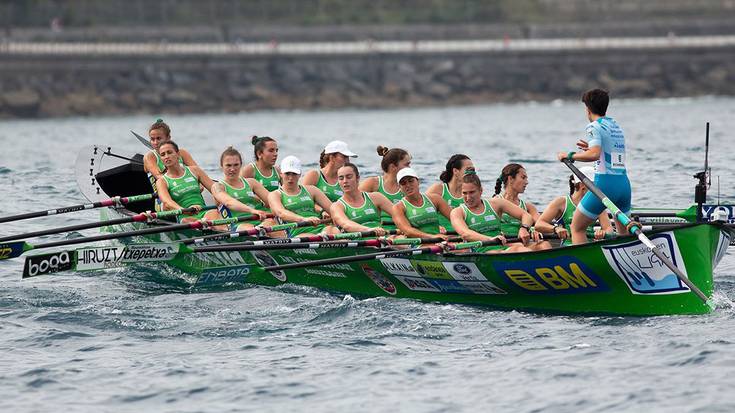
406	172
339	147
291	164
588	171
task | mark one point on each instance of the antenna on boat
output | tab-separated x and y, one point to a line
700	190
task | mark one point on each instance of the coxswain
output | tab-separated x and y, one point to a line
557	216
605	145
293	202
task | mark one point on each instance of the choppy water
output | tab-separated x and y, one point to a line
126	341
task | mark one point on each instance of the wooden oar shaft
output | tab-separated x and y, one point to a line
635	229
79	227
357	258
81	207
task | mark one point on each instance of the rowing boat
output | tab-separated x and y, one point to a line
618	276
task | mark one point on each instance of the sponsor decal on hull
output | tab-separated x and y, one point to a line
110	257
642	271
436	276
220	276
379	279
560	275
47	263
264	260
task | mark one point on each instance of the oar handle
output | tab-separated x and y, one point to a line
114	201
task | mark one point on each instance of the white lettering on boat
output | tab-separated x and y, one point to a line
108	257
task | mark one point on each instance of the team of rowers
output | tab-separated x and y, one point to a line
393	200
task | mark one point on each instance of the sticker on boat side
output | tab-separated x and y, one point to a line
109	257
559	275
436	276
642	271
264	259
220	276
379	279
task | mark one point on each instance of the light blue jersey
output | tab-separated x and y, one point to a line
606	133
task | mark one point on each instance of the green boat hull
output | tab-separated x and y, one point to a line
616	277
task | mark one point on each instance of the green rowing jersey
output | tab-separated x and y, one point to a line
270	182
333	192
566	221
425	218
303	205
185	190
393	198
366	215
244	195
453	202
509	225
486	223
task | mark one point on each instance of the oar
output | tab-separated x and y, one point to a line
114	201
356	258
142	217
269	245
143	140
15	249
620	216
308	238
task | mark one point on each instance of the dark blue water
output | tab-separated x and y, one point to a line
137	340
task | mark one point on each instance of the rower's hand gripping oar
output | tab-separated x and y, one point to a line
112	202
636	230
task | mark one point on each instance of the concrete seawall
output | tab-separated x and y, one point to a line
38	80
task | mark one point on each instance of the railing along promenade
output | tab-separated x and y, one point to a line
364	47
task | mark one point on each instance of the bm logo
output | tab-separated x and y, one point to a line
560	275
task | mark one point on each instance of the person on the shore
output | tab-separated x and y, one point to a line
333	157
264	169
557	216
356	210
394	159
606	147
450	185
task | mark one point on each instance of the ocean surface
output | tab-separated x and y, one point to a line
122	341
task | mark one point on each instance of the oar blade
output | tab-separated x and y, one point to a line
13	249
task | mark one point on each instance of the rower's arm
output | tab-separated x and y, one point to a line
150	165
310	178
187	158
222	197
533	211
204	179
459	225
441	205
274	200
247	171
503	206
399	218
381	202
163	195
544	224
319	198
369	184
605	223
259	190
590	155
435	188
337	212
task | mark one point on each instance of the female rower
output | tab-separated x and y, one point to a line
515	180
394	160
450	187
159	133
333	157
357	211
417	215
237	196
179	187
557	217
294	203
606	147
264	169
478	219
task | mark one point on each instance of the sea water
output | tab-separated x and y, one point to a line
136	340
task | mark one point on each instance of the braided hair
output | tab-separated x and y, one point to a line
510	170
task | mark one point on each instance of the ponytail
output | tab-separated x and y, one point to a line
454	162
323	159
259	143
572	187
